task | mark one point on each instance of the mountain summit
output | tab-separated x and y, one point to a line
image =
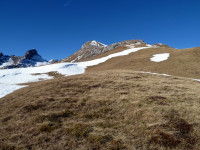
94	48
30	59
31	53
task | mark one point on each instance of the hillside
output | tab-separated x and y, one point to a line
118	103
103	110
181	62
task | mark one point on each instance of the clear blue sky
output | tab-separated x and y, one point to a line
58	28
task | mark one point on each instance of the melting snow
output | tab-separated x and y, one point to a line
160	57
10	78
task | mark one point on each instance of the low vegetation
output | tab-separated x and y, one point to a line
182	62
103	110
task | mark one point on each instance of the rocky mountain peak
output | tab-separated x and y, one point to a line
93	44
1	54
30	53
30	59
94	48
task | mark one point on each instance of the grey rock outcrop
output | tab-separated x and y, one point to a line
1	54
94	48
30	59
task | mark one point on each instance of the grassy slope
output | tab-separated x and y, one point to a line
104	110
184	63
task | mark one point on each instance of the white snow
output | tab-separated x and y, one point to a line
10	62
42	63
167	75
10	78
7	89
160	57
95	43
156	73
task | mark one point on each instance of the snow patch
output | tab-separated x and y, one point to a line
95	43
7	89
41	64
10	78
160	57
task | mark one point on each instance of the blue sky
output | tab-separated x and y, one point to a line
58	28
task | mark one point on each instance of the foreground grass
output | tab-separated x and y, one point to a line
103	110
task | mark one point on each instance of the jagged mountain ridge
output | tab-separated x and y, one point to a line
30	59
94	48
88	50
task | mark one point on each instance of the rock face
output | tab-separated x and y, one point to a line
30	54
1	54
30	59
94	48
52	61
88	50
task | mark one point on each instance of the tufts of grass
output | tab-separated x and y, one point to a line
54	117
173	132
105	125
117	145
93	115
80	130
99	139
7	118
78	117
33	107
4	146
48	127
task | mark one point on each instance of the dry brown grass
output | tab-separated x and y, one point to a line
184	63
103	110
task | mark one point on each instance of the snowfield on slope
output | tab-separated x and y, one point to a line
11	78
160	57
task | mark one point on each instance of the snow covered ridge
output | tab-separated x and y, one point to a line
10	78
160	57
31	58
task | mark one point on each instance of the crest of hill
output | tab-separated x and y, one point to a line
161	45
93	48
181	62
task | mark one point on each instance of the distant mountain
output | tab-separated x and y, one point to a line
94	48
30	59
88	50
